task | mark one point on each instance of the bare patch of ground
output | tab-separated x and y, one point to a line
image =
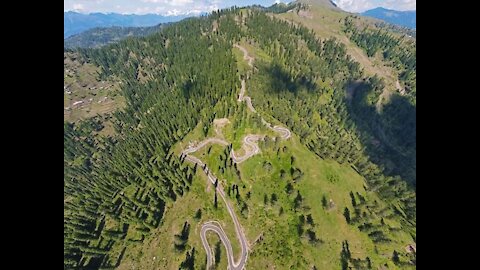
305	14
400	88
383	99
411	248
219	123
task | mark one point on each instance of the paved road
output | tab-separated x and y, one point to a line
284	132
251	148
249	145
215	227
195	148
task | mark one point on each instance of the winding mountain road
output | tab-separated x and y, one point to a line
215	226
284	132
251	148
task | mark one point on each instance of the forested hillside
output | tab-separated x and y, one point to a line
116	189
399	52
394	126
175	82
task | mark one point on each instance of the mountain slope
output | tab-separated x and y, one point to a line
324	3
402	18
318	199
85	94
100	36
327	21
75	23
387	56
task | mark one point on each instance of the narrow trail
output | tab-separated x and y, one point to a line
284	132
251	148
247	57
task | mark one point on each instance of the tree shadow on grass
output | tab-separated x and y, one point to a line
390	135
280	80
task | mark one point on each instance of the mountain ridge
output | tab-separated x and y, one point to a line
75	23
100	36
324	3
406	18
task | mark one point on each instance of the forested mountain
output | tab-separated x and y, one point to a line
74	22
100	36
338	194
402	18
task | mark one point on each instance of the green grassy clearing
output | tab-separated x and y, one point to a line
82	83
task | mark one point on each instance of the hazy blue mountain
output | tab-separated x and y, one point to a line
100	36
75	23
402	18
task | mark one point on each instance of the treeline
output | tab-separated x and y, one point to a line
397	28
280	7
389	136
373	219
399	52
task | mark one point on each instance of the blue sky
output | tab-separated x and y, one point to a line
176	7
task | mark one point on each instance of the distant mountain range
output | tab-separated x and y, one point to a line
402	18
75	23
100	36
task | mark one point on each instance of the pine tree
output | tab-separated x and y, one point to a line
346	214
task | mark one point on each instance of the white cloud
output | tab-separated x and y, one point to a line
363	5
194	11
178	7
163	7
160	10
402	4
154	1
173	12
354	5
141	10
78	7
179	3
277	1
